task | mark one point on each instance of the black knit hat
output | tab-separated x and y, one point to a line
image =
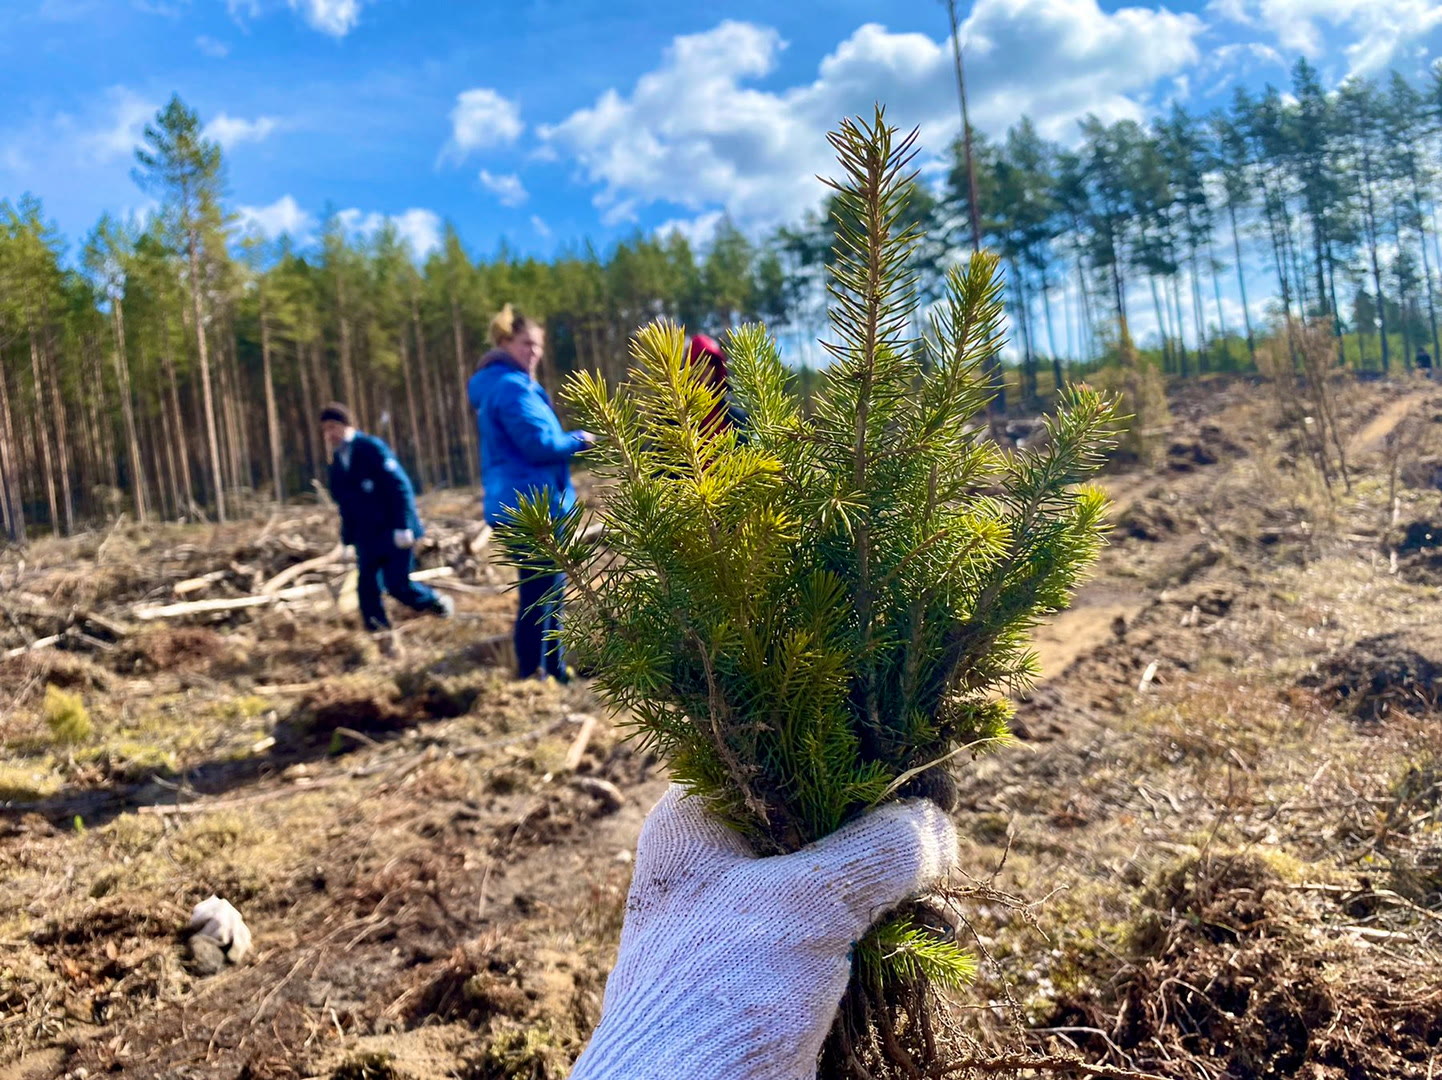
339	413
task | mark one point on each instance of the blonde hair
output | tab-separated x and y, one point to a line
507	323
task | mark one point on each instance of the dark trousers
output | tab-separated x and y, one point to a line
391	565
539	618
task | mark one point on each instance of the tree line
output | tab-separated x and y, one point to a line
173	367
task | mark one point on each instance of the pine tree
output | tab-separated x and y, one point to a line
185	170
808	619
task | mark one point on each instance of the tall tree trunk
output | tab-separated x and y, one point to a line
431	433
162	452
1056	373
272	421
1199	318
101	424
1184	360
235	411
212	436
41	431
1242	285
62	437
418	447
1336	311
127	410
347	366
1028	354
1426	266
1224	350
468	427
1162	327
309	411
11	497
177	428
1369	222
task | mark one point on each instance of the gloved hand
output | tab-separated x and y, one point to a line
218	920
403	539
731	967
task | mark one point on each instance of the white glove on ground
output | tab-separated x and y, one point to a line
731	967
403	538
218	920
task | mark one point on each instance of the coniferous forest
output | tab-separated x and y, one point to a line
171	367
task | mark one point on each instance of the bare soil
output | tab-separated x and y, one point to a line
1215	849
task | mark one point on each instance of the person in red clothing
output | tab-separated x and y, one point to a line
707	351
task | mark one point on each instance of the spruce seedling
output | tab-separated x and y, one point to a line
823	613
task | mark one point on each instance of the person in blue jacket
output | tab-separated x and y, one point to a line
377	517
525	451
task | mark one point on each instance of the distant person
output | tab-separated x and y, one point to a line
525	451
377	517
707	351
1424	362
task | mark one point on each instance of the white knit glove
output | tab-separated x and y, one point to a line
403	538
732	967
218	920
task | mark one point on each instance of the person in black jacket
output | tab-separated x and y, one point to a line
377	517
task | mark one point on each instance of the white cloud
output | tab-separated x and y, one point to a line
507	188
280	217
482	118
692	134
230	130
1379	29
698	230
124	128
334	17
219	50
418	228
539	224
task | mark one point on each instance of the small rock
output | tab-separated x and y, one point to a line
207	956
605	792
220	935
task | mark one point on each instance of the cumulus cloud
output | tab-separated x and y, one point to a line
481	118
420	229
1378	29
231	130
697	230
693	133
507	188
334	17
284	216
123	129
218	50
539	224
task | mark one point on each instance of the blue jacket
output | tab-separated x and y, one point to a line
524	449
374	494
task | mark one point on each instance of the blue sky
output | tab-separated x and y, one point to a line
548	122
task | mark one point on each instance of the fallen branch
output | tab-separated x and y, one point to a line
170	809
39	643
146	613
195	584
579	743
149	612
290	573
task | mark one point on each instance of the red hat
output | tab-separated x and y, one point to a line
710	348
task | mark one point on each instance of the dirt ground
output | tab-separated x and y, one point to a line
1214	850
